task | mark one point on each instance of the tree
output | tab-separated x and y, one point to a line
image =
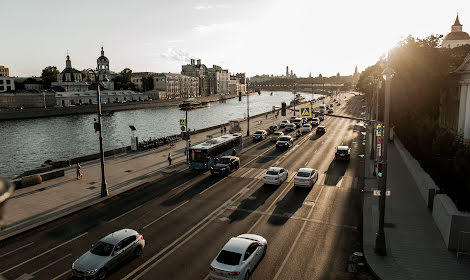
147	83
49	75
123	80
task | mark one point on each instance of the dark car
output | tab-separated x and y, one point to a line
321	129
272	128
225	165
343	152
260	135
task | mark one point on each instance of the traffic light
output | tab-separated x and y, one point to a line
283	110
380	167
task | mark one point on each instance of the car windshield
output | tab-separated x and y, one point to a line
277	134
284	139
259	132
102	249
229	258
306	125
303	174
224	160
284	121
321	128
272	172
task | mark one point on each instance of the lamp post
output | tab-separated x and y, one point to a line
104	186
380	247
248	113
295	100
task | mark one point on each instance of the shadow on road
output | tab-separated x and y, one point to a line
287	207
252	202
335	172
194	190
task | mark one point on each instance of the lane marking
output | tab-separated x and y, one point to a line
123	214
60	275
52	263
42	254
164	215
24	246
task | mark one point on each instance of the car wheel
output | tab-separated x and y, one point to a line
238	166
247	275
102	273
138	251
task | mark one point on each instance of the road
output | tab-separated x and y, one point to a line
188	217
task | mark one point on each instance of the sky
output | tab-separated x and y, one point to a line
252	36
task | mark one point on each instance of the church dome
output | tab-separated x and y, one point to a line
460	35
102	58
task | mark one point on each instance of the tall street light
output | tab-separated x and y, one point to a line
380	247
104	186
248	113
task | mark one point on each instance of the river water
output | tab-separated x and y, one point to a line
26	144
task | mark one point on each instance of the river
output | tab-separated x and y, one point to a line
26	144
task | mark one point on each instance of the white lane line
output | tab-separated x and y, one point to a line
42	254
132	210
166	214
24	246
60	275
52	263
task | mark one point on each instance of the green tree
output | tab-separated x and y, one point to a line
123	80
49	75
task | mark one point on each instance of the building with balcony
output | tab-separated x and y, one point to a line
176	85
4	72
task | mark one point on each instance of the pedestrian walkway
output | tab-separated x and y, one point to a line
415	248
50	200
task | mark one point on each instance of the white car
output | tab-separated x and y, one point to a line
238	257
284	123
275	176
306	177
291	127
306	128
315	121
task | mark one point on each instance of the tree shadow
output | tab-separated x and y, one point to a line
252	202
269	156
289	204
192	191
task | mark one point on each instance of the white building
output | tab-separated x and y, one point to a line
6	83
89	97
456	37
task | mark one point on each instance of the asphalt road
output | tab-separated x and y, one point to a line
188	217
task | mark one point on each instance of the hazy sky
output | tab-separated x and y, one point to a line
252	36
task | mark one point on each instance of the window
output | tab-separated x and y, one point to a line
229	258
250	250
1	82
2	88
102	249
8	82
126	242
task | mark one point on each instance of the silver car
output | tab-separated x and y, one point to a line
108	253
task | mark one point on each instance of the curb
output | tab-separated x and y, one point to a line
89	204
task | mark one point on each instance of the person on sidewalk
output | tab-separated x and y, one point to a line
169	159
79	172
221	131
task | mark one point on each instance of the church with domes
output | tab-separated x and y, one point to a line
456	37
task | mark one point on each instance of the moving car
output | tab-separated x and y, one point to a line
284	142
330	111
306	177
275	136
321	117
275	176
306	128
315	121
225	165
260	135
297	122
291	127
343	152
273	128
284	123
239	257
321	129
108	253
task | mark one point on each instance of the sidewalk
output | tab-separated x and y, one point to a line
36	205
415	248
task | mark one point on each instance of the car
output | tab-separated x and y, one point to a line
284	142
275	176
327	106
321	110
292	118
108	253
321	129
260	135
284	123
321	117
306	128
239	257
306	177
297	122
315	122
272	128
224	165
330	111
332	105
343	152
275	136
291	127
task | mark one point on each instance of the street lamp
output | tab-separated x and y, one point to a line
380	247
248	113
104	187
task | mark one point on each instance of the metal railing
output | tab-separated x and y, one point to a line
463	246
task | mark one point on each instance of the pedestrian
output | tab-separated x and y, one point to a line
266	115
169	159
79	172
221	130
225	130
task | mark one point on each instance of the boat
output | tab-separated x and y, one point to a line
190	104
298	99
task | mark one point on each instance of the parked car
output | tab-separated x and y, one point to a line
260	135
284	142
343	152
315	122
108	253
306	177
284	123
272	128
239	257
291	127
225	165
306	128
275	136
321	129
275	176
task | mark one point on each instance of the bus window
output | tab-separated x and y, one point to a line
199	155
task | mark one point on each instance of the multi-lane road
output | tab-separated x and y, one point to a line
188	217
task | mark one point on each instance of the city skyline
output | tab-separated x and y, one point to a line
161	38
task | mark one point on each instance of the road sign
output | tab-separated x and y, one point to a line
377	193
379	130
183	128
305	111
379	140
182	122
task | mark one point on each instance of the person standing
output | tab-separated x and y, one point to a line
79	172
221	131
169	159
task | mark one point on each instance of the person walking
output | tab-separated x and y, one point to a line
169	159
221	131
79	172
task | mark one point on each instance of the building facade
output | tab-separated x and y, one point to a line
200	71
218	80
4	72
176	85
456	37
27	100
88	97
6	83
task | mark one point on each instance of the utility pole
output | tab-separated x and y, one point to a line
187	136
248	113
104	187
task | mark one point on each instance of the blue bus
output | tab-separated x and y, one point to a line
203	155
